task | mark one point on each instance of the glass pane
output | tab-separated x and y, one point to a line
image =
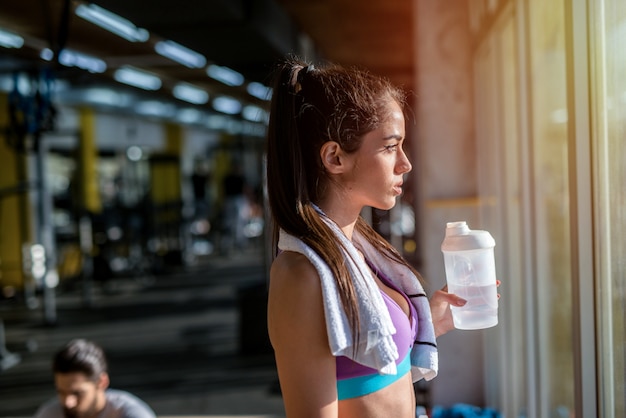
548	131
498	141
610	117
511	241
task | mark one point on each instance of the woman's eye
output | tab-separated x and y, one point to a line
391	147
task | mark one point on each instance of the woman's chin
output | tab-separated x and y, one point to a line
385	206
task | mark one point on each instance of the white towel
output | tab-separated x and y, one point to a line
376	347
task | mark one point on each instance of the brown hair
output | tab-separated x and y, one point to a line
310	106
80	356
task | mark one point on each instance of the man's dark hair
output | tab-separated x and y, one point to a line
80	356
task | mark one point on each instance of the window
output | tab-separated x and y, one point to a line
522	136
608	58
550	212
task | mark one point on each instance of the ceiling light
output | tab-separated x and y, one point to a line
259	91
6	83
180	54
113	23
227	105
189	116
225	75
10	40
137	78
253	129
254	113
71	58
105	96
234	127
46	54
134	153
20	82
155	108
191	94
216	122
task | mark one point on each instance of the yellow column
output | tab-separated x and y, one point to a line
165	192
166	175
173	139
222	163
88	160
174	145
15	211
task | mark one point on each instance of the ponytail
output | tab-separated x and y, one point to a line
311	106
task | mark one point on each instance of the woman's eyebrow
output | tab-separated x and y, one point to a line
393	136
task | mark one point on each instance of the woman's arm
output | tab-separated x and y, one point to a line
297	330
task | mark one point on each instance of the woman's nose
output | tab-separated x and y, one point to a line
404	165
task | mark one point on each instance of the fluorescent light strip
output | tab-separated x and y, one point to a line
180	54
46	54
19	81
71	58
155	108
137	78
10	40
106	96
254	129
227	105
254	113
113	23
189	116
225	75
189	93
259	91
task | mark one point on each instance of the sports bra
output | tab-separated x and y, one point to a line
354	379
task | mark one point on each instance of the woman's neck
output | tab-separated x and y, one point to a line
342	215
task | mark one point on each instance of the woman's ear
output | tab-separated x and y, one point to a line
332	157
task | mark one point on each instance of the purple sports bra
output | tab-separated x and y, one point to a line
406	330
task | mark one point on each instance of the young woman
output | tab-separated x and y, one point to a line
350	324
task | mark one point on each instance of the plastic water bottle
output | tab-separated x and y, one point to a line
471	274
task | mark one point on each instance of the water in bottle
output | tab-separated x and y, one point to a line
471	274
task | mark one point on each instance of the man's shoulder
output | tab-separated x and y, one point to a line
50	409
122	404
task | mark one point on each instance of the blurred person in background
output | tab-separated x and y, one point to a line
82	383
236	207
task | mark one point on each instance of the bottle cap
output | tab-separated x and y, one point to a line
457	228
460	238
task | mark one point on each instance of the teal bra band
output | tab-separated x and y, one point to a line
362	385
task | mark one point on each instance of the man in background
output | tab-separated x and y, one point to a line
236	207
82	384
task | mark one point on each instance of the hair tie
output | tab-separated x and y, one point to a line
304	71
298	77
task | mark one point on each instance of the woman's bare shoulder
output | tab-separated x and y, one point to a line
297	331
293	269
295	294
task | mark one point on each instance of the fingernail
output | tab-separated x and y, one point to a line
461	302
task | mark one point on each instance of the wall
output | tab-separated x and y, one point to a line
445	163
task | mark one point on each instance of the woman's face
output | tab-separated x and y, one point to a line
379	164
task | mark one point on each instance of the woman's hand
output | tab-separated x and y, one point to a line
440	309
